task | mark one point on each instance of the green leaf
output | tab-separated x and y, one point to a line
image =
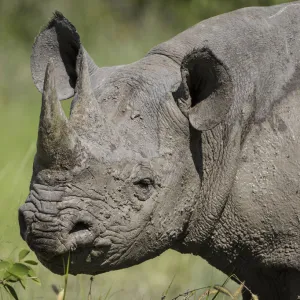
31	272
22	284
4	264
36	280
33	277
11	278
2	273
11	290
19	270
23	253
31	262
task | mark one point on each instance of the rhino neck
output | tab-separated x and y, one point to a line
215	154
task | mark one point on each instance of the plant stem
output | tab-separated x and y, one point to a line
90	291
66	277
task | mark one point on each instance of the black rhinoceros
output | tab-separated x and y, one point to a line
195	147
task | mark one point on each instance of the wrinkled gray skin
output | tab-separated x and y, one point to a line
195	147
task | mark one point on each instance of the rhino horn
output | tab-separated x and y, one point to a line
57	144
84	103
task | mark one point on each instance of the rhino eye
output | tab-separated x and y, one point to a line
144	183
144	188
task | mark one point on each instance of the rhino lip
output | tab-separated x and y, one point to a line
98	244
95	248
79	258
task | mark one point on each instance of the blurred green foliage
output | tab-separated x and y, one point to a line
17	273
107	28
114	32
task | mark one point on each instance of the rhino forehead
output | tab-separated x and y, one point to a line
132	121
125	134
137	86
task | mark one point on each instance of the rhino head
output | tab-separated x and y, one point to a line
115	183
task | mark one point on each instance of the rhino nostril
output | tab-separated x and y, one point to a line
80	226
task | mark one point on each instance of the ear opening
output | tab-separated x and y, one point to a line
208	89
204	77
60	42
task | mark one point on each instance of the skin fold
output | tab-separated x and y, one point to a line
194	147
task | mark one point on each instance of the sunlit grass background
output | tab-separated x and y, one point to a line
113	32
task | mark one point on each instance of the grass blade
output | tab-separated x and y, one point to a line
66	276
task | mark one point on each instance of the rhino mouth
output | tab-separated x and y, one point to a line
57	239
79	248
75	262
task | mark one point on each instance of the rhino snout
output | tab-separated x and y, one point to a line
51	237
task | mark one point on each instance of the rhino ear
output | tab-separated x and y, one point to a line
207	89
60	42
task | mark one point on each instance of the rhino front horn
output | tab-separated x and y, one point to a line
58	143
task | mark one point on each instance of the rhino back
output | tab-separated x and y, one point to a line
259	45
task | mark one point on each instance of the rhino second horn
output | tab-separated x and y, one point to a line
84	103
56	139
